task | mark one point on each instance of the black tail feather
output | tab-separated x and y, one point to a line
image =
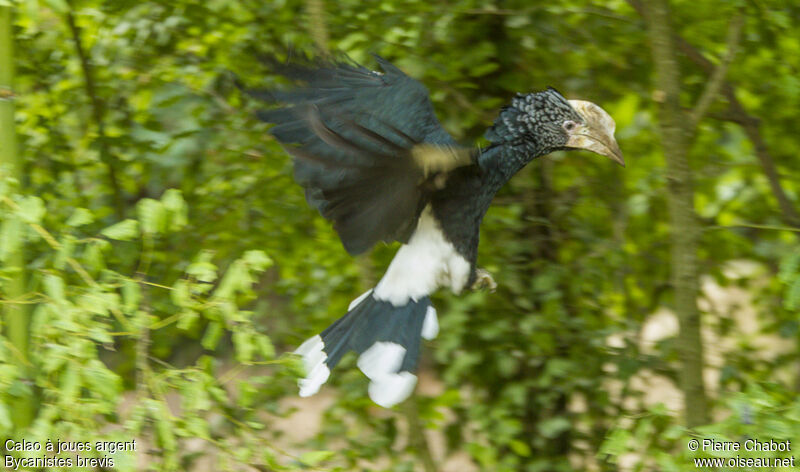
387	339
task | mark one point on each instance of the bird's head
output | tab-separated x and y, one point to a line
544	122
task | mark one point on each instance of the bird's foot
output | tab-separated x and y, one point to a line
484	280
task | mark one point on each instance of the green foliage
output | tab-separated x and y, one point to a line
165	323
790	275
85	310
761	412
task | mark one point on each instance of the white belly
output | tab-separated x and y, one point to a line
427	262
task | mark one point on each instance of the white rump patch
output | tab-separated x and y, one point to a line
430	327
392	389
427	262
358	300
317	372
381	363
381	358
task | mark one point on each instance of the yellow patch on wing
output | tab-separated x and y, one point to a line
432	158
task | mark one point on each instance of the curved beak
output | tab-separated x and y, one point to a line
596	134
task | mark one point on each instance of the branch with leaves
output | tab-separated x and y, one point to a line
735	112
98	113
714	83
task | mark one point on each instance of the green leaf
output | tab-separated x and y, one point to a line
616	443
245	347
5	418
10	240
789	268
152	216
792	300
54	287
165	428
257	259
552	427
202	268
70	383
196	427
59	6
123	231
101	380
180	294
176	207
80	217
187	320
265	346
520	448
212	335
99	302
131	295
195	399
93	254
272	462
312	458
64	252
235	279
31	209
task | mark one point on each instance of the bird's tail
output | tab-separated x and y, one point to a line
387	339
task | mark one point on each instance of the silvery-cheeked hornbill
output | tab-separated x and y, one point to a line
375	161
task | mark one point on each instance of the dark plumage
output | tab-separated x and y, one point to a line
353	159
375	161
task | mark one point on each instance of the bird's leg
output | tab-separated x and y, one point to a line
483	280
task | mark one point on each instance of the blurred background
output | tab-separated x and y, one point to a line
157	259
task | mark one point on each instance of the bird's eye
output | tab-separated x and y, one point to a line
569	125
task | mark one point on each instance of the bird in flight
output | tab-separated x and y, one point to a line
375	161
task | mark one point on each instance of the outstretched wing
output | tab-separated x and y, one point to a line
366	146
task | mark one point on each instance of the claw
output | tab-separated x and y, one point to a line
484	280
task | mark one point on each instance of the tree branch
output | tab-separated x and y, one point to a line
737	114
751	125
318	28
16	317
756	226
416	435
637	5
717	78
98	112
684	264
788	210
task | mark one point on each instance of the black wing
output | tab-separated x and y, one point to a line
366	146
